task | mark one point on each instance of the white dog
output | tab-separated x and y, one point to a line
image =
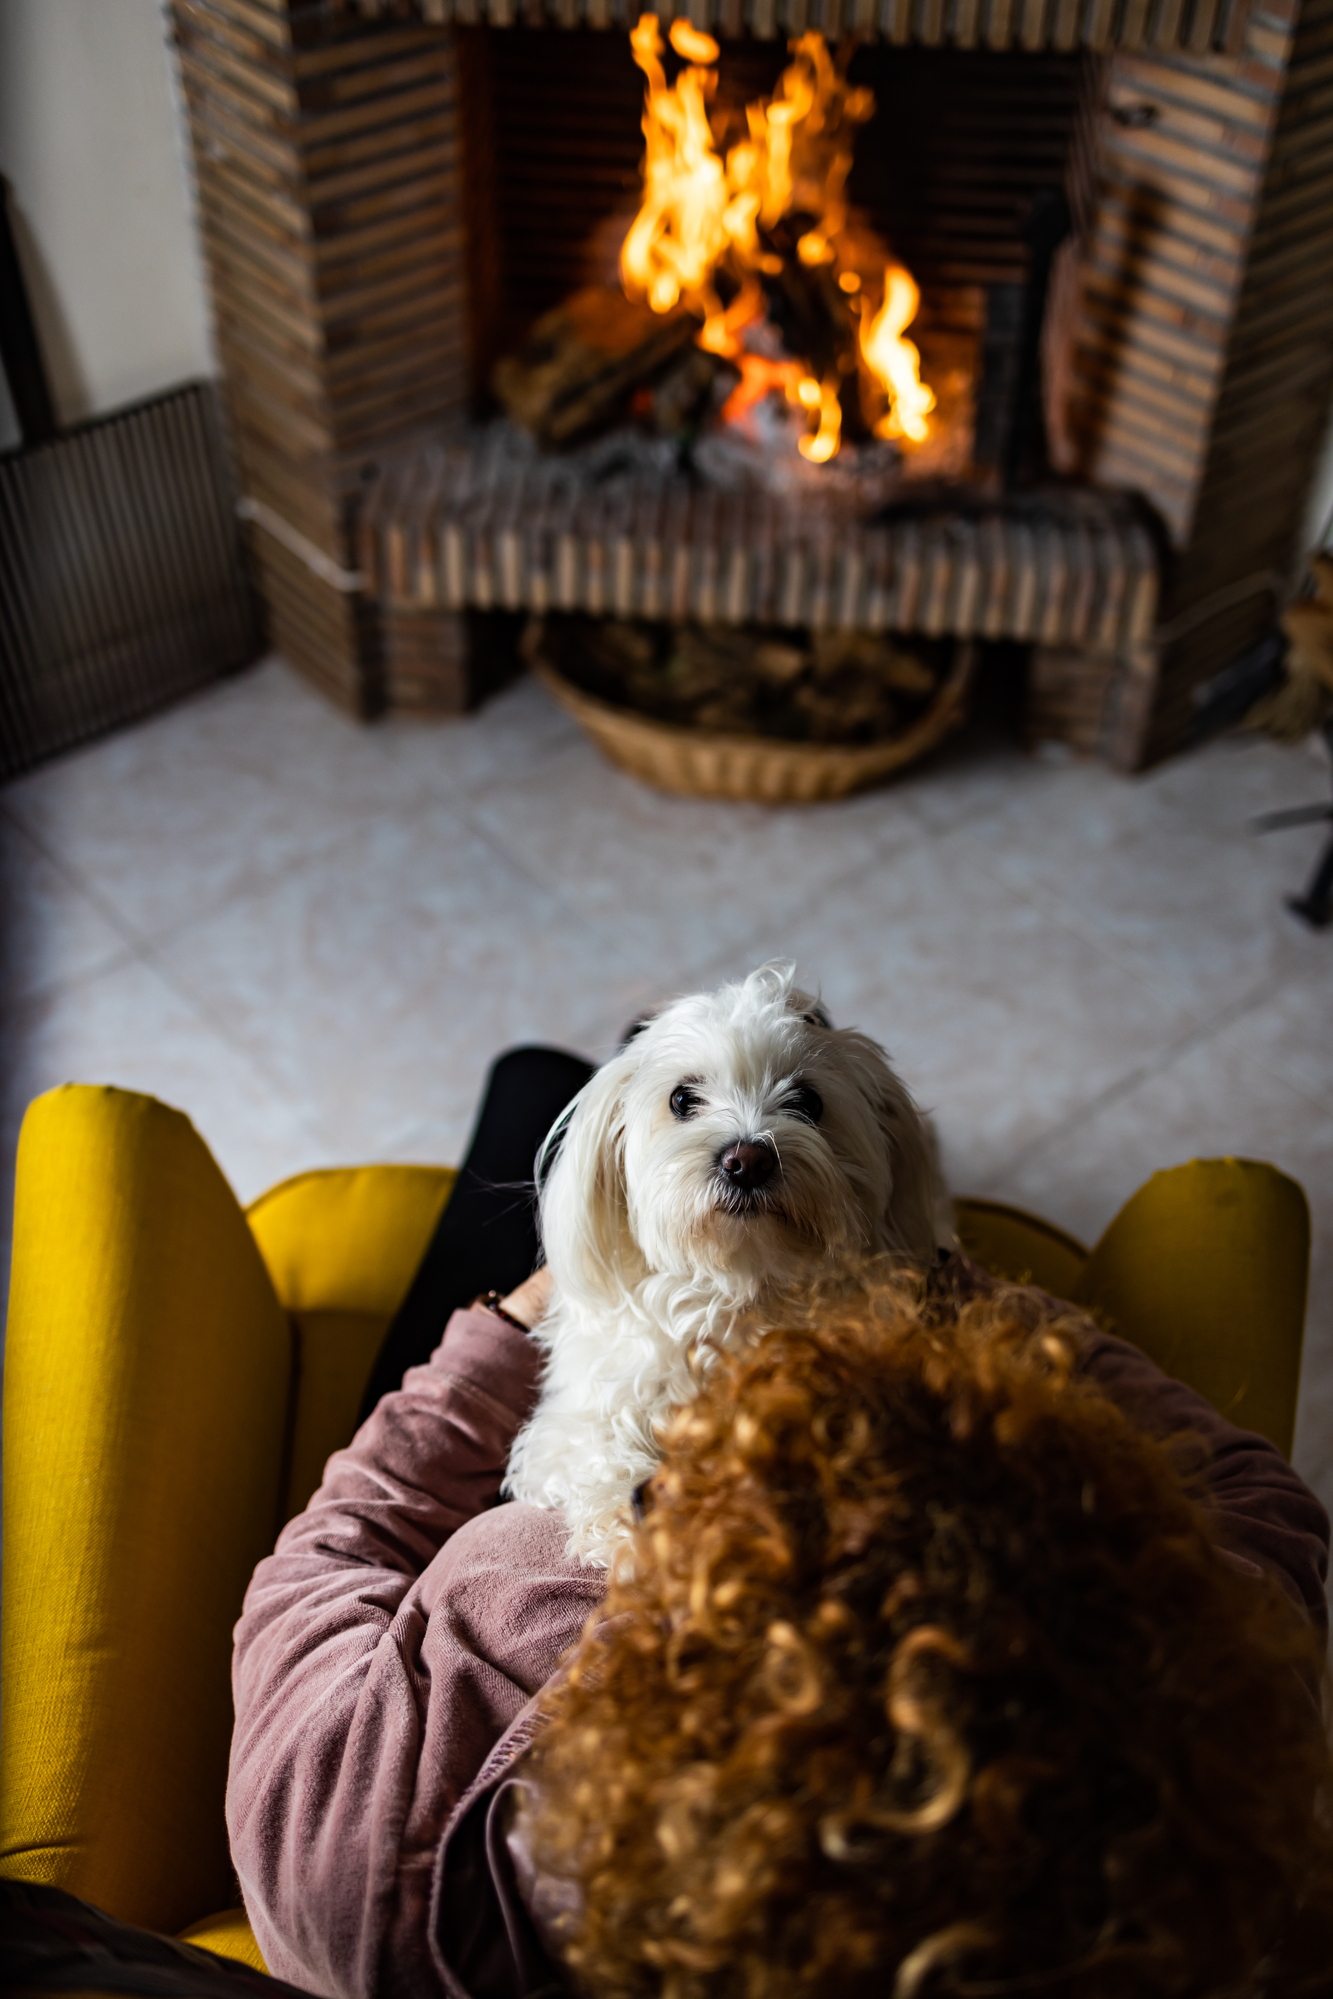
735	1147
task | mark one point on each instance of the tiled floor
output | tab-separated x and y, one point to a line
313	937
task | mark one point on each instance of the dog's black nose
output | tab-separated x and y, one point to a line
748	1163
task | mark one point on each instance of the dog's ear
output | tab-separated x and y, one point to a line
808	1006
918	1200
581	1177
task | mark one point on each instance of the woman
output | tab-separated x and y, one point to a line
932	1670
928	1676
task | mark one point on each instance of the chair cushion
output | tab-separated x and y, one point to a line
1019	1247
341	1246
1205	1269
229	1934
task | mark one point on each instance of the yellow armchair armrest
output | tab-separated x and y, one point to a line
146	1386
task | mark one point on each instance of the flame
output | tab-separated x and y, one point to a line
722	330
677	236
703	215
827	400
895	361
759	377
691	44
799	152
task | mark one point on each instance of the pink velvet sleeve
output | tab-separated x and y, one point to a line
341	1688
1265	1517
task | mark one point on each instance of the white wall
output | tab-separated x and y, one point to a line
92	145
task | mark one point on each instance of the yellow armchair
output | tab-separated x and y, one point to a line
178	1370
176	1374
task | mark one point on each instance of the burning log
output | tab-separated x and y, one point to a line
759	230
743	246
582	363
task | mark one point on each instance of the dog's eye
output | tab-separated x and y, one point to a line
805	1103
684	1101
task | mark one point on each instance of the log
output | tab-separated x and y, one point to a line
583	361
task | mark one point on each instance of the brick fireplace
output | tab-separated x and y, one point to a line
389	195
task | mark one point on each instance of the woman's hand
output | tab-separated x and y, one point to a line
529	1301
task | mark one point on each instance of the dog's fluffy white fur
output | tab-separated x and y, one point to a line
655	1253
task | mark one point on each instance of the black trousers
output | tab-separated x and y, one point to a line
486	1239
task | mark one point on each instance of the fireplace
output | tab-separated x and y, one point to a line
391	195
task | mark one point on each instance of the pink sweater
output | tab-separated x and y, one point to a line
390	1649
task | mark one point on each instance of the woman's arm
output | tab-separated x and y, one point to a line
330	1682
431	1456
1263	1513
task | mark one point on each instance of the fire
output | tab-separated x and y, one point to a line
896	361
827	400
677	236
704	235
759	377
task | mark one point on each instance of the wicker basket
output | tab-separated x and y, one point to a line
758	769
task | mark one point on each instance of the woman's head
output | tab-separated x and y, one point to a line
923	1676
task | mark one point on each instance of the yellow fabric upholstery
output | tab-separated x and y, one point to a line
146	1384
1019	1246
230	1935
341	1247
1205	1268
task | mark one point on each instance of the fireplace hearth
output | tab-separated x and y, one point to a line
487	522
390	196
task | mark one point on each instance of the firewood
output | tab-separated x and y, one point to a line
846	687
583	361
893	664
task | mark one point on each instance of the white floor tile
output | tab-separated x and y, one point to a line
1233	779
491	753
679	879
51	930
969	773
1163	872
171	819
1292	1032
376	981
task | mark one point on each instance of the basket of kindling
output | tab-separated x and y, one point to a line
715	711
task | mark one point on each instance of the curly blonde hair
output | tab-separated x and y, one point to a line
923	1674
